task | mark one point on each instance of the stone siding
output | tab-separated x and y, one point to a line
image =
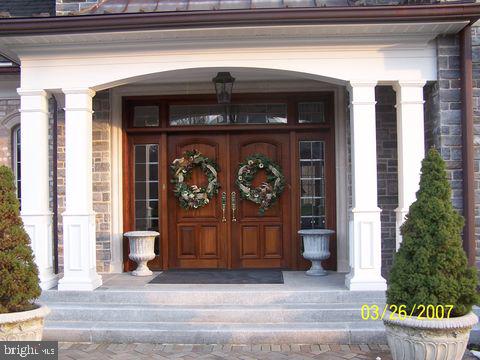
66	7
447	121
476	121
387	173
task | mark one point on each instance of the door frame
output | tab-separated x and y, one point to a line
326	129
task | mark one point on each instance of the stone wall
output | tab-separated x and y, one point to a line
65	7
476	121
446	124
387	173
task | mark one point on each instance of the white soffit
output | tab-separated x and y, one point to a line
338	33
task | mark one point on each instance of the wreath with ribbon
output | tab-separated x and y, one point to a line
192	196
269	191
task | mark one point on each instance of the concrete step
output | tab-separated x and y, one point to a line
283	313
209	296
216	333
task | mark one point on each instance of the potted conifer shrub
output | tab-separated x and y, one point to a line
20	318
431	288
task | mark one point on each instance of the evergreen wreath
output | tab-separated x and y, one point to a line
192	196
268	192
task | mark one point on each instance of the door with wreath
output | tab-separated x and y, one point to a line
214	221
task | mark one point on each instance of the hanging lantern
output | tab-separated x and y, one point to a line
223	87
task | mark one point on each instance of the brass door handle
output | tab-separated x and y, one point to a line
234	205
224	206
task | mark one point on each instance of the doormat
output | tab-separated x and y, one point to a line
219	277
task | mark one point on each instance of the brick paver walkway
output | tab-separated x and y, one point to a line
85	351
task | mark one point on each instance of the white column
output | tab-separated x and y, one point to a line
35	191
79	243
365	237
410	145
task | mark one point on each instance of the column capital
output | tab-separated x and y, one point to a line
353	84
79	91
420	83
362	92
31	92
33	101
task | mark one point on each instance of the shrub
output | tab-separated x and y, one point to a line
431	267
18	272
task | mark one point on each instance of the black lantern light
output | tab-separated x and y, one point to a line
223	87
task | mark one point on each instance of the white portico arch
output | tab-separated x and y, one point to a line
352	55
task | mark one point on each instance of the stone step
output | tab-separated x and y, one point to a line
284	313
219	296
216	333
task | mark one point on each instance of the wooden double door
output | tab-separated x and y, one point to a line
230	233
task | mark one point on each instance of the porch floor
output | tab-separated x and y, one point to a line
293	280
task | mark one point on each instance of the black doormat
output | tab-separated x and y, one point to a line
219	277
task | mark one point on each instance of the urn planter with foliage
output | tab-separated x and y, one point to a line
431	288
20	318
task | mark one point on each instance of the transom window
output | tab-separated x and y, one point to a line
302	109
233	114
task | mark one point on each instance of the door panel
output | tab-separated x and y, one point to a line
260	241
198	237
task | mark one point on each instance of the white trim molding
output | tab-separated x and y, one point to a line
11	120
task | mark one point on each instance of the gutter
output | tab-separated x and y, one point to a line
466	91
231	18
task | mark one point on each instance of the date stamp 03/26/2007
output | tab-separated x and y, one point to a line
395	312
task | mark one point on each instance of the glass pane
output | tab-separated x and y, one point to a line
146	187
181	115
305	150
146	116
152	172
311	112
312	185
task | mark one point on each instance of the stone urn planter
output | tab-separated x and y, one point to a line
23	325
142	245
424	339
316	249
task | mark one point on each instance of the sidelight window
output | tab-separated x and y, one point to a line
146	187
312	184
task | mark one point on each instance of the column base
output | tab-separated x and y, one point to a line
79	247
39	230
80	284
48	281
358	283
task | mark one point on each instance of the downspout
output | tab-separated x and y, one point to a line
466	89
55	183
